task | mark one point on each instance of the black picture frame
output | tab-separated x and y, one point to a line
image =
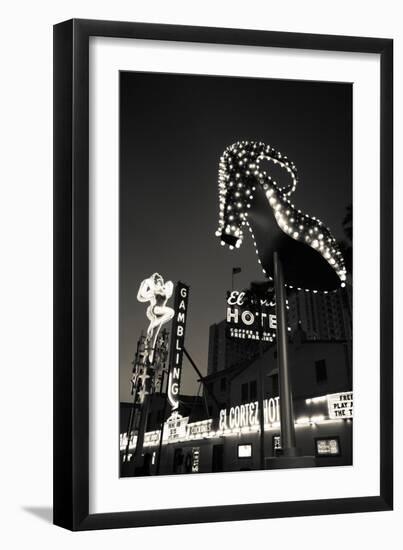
71	274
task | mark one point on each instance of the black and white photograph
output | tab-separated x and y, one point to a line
235	274
201	256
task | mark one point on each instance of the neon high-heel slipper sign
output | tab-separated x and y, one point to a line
250	199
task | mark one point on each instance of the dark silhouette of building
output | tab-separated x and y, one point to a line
322	316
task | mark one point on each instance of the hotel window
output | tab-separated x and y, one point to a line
253	391
321	371
245	393
274	382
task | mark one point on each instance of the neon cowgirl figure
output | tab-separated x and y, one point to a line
155	291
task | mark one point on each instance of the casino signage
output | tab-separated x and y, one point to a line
195	459
340	405
175	428
247	415
250	319
177	343
245	419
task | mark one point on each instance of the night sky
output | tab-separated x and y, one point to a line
173	129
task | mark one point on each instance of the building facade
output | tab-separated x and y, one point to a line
221	430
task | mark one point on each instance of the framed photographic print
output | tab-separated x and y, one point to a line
223	274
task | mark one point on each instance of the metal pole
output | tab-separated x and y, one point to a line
141	431
286	404
261	385
201	378
261	407
130	426
164	413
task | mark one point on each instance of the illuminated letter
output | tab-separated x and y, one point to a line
247	414
231	417
277	400
223	420
236	415
247	317
232	314
181	317
242	418
272	410
176	373
232	298
251	411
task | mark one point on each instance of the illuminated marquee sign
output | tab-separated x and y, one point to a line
200	429
177	342
340	405
195	459
247	415
245	451
252	321
175	428
327	447
151	438
123	441
276	445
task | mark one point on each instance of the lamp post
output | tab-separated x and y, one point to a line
285	385
259	290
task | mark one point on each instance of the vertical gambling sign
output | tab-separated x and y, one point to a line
177	343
